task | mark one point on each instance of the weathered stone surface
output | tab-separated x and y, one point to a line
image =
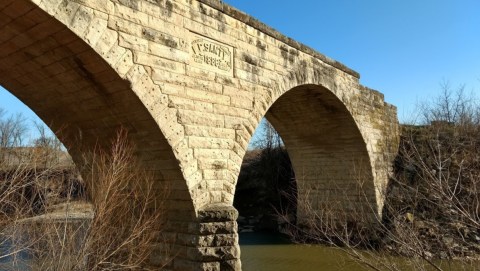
226	227
190	81
214	254
184	265
218	213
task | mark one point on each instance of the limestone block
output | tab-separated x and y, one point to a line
214	174
130	14
65	11
200	73
115	54
106	42
105	6
168	28
211	153
185	103
81	20
174	90
125	63
159	63
213	240
50	6
186	265
167	52
215	185
202	95
217	213
95	30
217	132
228	227
125	26
213	254
210	143
212	163
205	119
133	42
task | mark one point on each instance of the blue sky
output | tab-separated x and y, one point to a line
403	48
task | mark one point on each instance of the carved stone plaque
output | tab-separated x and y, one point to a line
211	55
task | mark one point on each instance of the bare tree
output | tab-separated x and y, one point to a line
450	106
12	130
271	139
112	227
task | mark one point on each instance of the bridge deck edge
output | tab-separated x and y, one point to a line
255	23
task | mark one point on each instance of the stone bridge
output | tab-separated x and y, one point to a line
191	80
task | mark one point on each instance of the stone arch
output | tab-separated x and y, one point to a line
328	152
110	63
364	108
62	61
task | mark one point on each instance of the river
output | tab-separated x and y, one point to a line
272	252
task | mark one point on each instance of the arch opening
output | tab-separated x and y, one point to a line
83	99
330	164
266	191
328	154
77	93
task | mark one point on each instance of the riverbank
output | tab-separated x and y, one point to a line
431	203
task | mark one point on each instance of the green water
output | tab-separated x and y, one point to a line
270	252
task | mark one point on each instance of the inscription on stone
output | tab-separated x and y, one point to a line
211	55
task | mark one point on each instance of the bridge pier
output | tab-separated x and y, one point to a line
211	242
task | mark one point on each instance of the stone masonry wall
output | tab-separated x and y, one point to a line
191	80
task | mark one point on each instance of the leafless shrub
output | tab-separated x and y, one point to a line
115	231
431	217
12	130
